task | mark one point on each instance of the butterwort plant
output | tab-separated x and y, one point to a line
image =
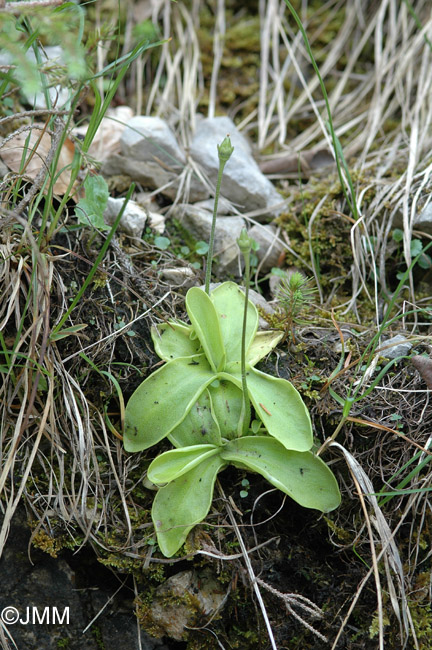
217	409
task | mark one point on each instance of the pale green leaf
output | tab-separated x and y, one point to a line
301	475
204	319
172	340
280	407
228	300
162	401
67	331
90	210
263	344
199	425
183	503
172	464
226	400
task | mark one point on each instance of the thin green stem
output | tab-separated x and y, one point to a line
339	157
245	245
213	227
246	411
225	150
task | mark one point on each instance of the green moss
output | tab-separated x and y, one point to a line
53	545
97	635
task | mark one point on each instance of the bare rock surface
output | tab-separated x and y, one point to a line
396	346
151	155
72	581
243	182
133	219
270	249
197	595
151	174
151	139
423	221
228	229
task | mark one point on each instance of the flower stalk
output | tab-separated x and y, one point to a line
225	150
245	244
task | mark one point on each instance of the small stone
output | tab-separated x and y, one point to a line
227	231
182	276
151	139
242	183
182	600
270	249
3	169
133	219
107	138
423	221
54	56
151	175
274	282
397	346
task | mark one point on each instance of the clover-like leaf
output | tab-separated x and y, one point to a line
162	401
172	464
228	300
205	322
183	503
301	475
172	340
199	426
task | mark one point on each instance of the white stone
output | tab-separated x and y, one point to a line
396	346
54	55
270	249
243	183
227	231
423	221
133	219
151	139
182	276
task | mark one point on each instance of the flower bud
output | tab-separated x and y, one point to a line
225	149
244	242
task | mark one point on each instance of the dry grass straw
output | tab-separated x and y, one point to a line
381	111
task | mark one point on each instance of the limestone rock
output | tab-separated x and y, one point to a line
182	276
270	249
133	219
152	175
107	138
396	346
228	229
243	182
182	600
151	139
55	57
423	221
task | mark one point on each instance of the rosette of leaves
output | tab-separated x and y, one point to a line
195	400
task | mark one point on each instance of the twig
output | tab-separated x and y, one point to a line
249	568
18	7
39	111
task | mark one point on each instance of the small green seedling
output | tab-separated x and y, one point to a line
90	210
295	295
201	400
